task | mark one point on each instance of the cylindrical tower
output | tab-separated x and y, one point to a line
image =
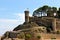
26	16
54	24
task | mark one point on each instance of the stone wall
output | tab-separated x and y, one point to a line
48	36
14	39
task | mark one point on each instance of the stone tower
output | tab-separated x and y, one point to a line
26	16
54	24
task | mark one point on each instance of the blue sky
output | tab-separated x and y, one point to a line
12	11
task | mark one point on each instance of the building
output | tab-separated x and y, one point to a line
36	28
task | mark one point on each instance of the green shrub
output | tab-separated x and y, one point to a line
28	36
38	37
58	32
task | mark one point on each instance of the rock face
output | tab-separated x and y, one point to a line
25	26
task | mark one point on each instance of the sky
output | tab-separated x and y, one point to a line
12	11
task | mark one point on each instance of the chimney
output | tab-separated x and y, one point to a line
26	16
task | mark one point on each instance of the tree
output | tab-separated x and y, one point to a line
45	10
54	9
58	12
41	10
38	12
